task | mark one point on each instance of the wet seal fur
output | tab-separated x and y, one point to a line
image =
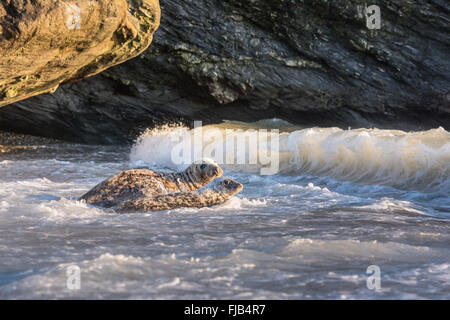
137	183
218	193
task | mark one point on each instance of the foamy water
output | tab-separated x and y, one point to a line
342	200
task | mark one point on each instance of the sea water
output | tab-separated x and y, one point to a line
342	200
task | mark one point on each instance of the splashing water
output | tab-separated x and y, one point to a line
417	160
341	201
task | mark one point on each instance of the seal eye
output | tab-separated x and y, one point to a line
227	182
203	166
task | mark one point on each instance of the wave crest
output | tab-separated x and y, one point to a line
405	160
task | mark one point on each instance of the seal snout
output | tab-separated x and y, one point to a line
218	171
232	186
239	187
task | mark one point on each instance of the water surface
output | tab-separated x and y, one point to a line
343	200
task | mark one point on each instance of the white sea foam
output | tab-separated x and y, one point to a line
387	205
417	160
321	250
168	275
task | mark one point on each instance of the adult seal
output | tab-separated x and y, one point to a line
217	193
137	183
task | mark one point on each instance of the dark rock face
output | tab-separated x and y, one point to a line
308	62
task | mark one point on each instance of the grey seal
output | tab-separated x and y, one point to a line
137	183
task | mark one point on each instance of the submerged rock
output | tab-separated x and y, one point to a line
308	62
45	43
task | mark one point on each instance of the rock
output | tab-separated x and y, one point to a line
308	62
45	43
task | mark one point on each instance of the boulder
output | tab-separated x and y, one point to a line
46	43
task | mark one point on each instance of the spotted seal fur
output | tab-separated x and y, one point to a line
147	183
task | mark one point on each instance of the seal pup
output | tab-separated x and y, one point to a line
147	183
217	193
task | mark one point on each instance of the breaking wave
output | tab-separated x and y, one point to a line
405	160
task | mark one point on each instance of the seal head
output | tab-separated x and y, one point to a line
203	173
227	187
